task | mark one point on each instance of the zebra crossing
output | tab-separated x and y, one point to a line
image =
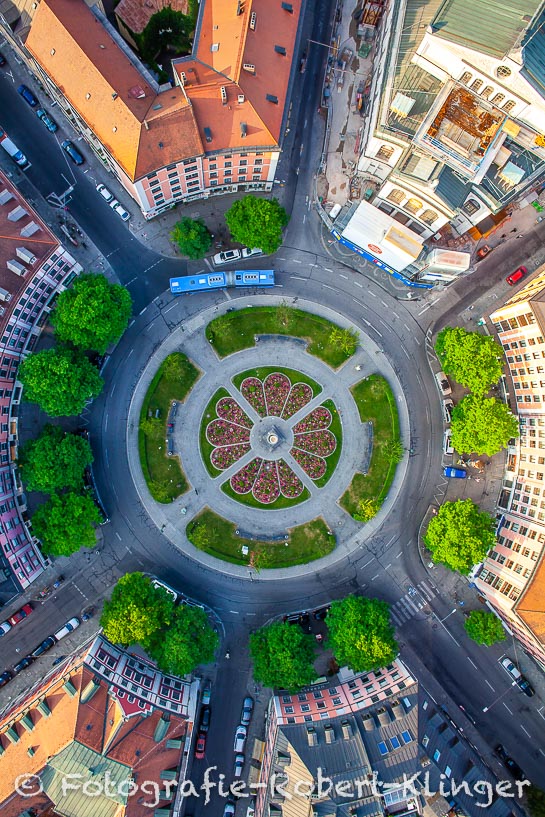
412	602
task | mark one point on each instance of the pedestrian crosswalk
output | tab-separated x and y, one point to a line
412	602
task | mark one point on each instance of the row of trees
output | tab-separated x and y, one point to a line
252	221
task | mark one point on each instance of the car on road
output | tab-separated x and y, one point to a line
509	763
516	276
44	646
204	723
443	383
520	679
247	709
17	617
5	627
229	809
251	253
48	121
27	95
206	693
240	738
22	664
447	443
225	257
5	678
106	194
454	473
172	593
200	746
239	765
120	210
448	407
69	627
72	151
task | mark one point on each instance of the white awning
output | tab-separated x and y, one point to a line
380	235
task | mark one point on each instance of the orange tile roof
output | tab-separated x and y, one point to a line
530	606
136	14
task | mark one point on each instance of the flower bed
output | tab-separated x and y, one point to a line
220	432
300	394
266	487
322	443
276	387
316	420
242	482
313	466
229	409
252	390
290	484
226	455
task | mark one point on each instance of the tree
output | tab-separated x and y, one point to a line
257	222
283	656
482	425
394	450
367	509
54	460
65	523
285	315
192	237
460	535
188	641
536	801
175	366
360	633
345	339
60	381
136	610
474	360
166	29
92	314
484	627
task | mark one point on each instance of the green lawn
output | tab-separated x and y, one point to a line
236	330
164	476
252	502
336	429
206	447
262	371
376	403
215	535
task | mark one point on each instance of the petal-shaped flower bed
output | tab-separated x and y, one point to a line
229	409
276	387
252	390
316	420
220	432
290	484
225	456
323	443
313	466
300	394
243	480
266	487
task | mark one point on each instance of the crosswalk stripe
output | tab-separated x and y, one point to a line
410	603
425	593
398	616
428	591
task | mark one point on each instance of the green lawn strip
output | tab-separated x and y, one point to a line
250	500
209	415
216	536
244	324
336	429
164	476
262	371
376	402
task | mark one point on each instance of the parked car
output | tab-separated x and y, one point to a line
516	276
25	611
72	151
520	679
200	746
204	724
454	473
105	193
120	210
247	709
248	253
69	627
48	121
509	763
448	407
225	257
44	646
5	627
447	442
229	809
240	738
27	95
5	677
172	593
22	664
239	765
443	383
321	613
206	693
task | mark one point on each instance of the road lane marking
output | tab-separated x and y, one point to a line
296	261
297	278
399	554
509	710
374	294
236	612
325	286
106	422
525	731
388	566
375	577
369	562
357	283
490	685
425	308
118	536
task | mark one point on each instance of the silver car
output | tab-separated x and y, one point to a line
239	765
240	739
247	709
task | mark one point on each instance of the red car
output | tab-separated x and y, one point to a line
201	746
515	276
25	611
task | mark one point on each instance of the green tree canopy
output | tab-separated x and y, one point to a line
361	634
460	535
92	313
367	509
60	381
136	610
192	237
283	656
188	641
166	28
484	627
482	425
345	339
536	801
257	222
65	523
472	359
54	460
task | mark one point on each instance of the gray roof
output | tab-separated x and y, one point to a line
533	55
451	188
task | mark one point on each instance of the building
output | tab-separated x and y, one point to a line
34	267
217	128
105	721
455	121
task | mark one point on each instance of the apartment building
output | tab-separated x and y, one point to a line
34	267
512	576
217	128
455	120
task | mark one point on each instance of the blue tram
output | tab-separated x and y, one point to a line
219	280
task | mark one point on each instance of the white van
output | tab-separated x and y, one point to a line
68	628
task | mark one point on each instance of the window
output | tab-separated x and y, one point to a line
289	710
396	195
383	749
258	161
465	78
395	742
436	755
503	71
407	737
476	85
498	99
470	207
487	91
509	105
413	205
305	708
428	216
385	153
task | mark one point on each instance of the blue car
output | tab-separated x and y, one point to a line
48	121
27	95
455	473
72	151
